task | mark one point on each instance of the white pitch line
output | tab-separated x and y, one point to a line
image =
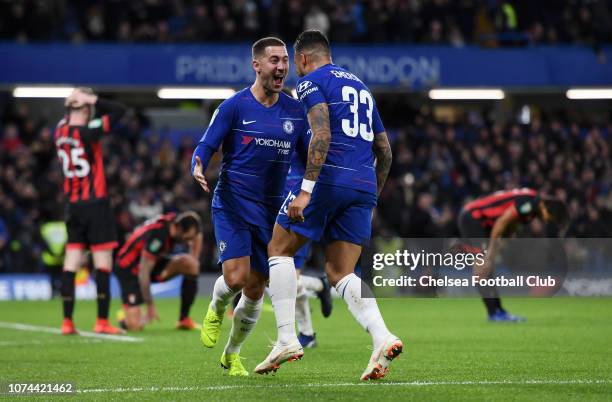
36	328
48	342
346	384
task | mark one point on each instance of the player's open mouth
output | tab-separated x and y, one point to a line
278	80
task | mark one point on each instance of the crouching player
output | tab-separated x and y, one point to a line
145	258
488	219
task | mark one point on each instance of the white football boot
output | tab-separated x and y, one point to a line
382	357
279	355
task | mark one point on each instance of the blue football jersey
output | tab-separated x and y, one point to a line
296	172
297	167
257	145
354	121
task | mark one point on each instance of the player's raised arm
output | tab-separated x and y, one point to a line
107	112
114	110
219	126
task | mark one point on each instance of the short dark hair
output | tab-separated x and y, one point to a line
312	39
260	46
188	220
557	210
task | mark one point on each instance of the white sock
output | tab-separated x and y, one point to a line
311	283
222	295
246	314
365	310
302	312
283	289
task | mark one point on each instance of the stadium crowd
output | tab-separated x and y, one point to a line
437	167
486	22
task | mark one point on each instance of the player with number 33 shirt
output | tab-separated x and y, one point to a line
348	161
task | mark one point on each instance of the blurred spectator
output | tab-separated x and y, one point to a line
145	207
4	239
291	18
317	19
422	216
454	22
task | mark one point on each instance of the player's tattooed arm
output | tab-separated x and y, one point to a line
318	118
384	157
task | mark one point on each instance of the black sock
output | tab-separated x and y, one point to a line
499	306
67	292
491	305
55	273
103	288
490	297
189	288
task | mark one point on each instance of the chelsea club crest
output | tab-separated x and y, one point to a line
288	126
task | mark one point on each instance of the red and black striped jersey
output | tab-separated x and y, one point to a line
80	153
151	239
524	203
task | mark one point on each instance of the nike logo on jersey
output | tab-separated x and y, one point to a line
244	122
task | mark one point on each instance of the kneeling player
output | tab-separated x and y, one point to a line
498	215
144	258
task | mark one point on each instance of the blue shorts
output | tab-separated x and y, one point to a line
302	255
237	238
334	213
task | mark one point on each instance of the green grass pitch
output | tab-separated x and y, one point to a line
563	352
